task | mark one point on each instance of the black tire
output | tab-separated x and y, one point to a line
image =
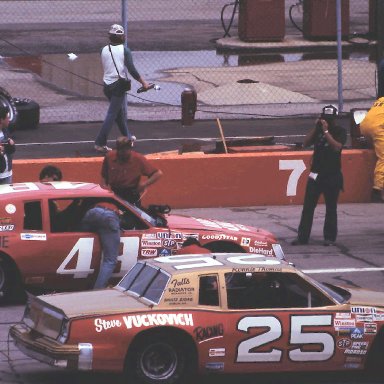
375	358
28	114
222	246
159	358
10	286
7	100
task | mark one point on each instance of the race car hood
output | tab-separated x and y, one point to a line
365	297
187	223
106	301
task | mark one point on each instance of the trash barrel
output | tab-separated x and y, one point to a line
188	106
319	19
261	20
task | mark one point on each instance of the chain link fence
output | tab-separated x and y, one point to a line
50	53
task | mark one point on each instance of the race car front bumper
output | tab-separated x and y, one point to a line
78	356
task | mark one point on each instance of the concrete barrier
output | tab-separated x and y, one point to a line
224	180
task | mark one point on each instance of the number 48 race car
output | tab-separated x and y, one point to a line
42	245
173	316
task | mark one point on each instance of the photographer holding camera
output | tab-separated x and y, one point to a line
325	177
7	147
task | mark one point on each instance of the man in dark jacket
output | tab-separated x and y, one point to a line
7	147
325	177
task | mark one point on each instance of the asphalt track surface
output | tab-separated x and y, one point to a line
77	139
356	261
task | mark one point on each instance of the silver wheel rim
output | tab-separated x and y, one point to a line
159	361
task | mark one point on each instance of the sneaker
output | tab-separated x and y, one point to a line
328	243
297	241
102	149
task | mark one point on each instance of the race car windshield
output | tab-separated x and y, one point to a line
145	281
144	215
341	296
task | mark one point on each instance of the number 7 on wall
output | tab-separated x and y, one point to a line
297	167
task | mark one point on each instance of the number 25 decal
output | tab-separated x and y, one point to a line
297	337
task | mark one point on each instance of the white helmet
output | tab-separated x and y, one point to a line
116	29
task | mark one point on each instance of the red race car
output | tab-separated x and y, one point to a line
173	316
42	245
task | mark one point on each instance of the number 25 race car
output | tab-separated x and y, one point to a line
42	245
173	316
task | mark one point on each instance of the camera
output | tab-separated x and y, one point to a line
329	112
7	147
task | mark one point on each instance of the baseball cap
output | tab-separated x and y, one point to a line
329	111
116	29
123	142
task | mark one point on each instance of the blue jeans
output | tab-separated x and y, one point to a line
115	113
106	224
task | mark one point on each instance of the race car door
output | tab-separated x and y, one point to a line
86	250
278	321
70	256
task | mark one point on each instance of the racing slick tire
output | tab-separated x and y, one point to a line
160	357
10	287
375	358
222	246
7	100
28	113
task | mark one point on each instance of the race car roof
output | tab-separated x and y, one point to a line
52	188
210	263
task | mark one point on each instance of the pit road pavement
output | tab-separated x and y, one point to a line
356	261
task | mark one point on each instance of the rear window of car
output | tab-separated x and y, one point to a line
145	281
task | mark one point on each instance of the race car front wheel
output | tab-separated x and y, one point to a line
160	358
7	101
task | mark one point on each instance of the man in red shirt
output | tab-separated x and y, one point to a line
123	169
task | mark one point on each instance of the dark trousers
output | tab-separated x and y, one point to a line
330	188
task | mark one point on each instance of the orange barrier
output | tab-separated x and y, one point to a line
228	180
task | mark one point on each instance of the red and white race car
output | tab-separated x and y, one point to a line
42	245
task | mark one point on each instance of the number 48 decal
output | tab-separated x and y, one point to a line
298	337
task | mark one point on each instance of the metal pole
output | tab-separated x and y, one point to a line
380	47
124	16
339	57
124	21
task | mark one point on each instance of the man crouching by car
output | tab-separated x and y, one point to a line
7	147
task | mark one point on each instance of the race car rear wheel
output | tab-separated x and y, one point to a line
7	101
10	287
160	357
375	358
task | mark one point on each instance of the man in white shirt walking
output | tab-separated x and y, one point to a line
117	61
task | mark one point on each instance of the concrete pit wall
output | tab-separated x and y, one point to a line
224	180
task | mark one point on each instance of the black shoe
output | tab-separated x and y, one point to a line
328	243
297	241
376	196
